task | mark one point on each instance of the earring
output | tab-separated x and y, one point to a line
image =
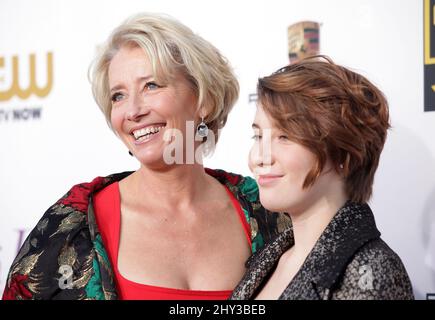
129	152
341	166
202	129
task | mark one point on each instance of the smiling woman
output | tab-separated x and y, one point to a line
166	230
172	51
136	94
326	127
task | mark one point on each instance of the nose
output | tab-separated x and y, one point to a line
255	156
261	156
136	108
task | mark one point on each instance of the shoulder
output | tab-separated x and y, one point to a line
244	184
61	237
264	224
376	272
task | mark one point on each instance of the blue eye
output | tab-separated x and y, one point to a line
116	97
152	85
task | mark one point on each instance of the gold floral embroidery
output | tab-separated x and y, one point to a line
69	223
34	284
27	264
42	225
86	273
61	209
67	256
283	222
254	227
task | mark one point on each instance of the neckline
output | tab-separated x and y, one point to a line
117	233
323	268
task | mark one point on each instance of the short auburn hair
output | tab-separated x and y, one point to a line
334	112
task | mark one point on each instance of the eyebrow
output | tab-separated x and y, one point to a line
120	86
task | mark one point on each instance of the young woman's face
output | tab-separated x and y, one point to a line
143	109
281	166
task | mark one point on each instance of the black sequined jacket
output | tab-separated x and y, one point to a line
349	261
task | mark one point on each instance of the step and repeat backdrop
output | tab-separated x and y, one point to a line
52	134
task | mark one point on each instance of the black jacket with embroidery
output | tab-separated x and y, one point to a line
66	242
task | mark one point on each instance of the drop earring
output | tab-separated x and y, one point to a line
202	129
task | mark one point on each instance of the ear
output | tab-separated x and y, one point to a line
201	112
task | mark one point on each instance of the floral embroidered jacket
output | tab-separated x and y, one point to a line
67	235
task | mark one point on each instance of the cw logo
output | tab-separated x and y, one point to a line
15	89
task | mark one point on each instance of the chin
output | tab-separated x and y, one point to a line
149	159
273	203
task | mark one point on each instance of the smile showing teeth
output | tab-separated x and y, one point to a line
145	133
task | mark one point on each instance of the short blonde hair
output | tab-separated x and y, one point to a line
170	46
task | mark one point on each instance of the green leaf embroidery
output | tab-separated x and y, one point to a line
94	288
249	188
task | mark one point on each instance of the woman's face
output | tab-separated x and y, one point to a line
280	167
143	109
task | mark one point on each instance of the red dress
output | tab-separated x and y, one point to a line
107	202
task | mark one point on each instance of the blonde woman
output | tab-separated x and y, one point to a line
169	230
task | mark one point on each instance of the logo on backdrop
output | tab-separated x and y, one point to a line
429	55
303	41
12	86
